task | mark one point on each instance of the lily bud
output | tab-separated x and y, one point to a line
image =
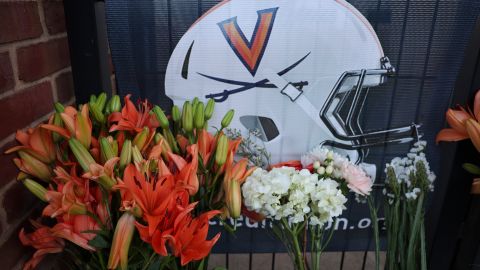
157	138
233	198
57	121
209	109
22	176
100	102
195	101
38	190
161	117
122	238
136	155
222	149
141	138
81	154
33	166
59	108
106	149
187	117
126	154
114	145
93	99
227	119
97	113
83	131
473	130
199	120
176	116
115	105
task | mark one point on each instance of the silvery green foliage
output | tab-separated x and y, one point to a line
248	148
409	176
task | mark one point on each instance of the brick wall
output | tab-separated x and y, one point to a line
34	73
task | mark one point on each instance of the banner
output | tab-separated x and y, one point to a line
366	78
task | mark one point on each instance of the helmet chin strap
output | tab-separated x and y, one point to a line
295	95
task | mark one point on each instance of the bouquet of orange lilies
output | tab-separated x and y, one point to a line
129	187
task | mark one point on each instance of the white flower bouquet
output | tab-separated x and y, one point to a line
302	197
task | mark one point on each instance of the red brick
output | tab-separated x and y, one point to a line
7	80
8	170
64	84
19	21
54	16
17	201
41	59
20	109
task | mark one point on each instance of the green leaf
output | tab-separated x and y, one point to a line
99	242
471	168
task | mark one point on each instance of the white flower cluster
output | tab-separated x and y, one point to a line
406	172
288	193
325	161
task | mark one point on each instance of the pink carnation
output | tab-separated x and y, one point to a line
357	180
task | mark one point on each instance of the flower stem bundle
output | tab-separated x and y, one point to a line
408	182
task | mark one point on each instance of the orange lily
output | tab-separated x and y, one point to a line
473	130
155	195
457	120
206	144
73	229
121	242
63	202
187	171
130	119
37	142
77	125
43	241
190	236
235	175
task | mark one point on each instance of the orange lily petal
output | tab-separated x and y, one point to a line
450	135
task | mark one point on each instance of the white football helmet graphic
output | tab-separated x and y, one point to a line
298	71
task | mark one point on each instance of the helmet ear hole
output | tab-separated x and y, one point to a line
265	127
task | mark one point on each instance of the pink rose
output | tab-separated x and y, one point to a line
357	180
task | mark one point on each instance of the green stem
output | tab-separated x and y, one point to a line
373	214
100	259
414	233
299	261
422	247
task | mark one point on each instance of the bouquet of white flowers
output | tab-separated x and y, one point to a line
302	197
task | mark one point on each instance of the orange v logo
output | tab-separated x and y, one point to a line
250	52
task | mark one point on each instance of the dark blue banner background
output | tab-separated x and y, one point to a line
424	39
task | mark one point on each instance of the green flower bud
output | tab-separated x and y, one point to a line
38	190
157	138
126	154
106	149
227	119
114	145
199	120
176	116
100	102
161	117
93	99
222	149
81	153
115	105
187	117
59	107
57	121
141	138
136	155
96	113
209	109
